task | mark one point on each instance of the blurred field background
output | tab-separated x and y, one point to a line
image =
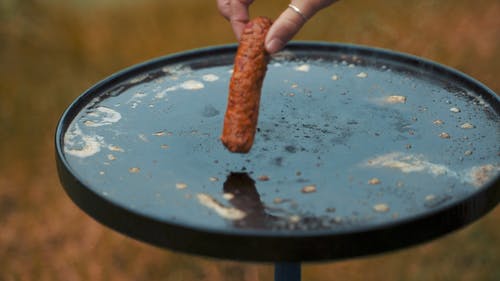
52	50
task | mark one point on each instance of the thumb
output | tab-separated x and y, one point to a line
291	21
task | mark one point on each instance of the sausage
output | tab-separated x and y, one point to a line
250	65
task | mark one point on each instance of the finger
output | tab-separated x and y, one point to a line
239	15
224	7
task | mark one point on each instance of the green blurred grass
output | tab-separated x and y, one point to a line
51	51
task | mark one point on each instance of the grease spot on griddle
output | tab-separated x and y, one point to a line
209	111
290	148
278	161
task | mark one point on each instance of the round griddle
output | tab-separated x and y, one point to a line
358	151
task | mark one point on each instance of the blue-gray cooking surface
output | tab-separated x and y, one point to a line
349	138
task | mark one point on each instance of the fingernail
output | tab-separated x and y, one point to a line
274	45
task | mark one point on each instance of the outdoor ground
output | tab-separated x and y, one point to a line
52	50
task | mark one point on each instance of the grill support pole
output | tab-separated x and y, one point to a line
287	271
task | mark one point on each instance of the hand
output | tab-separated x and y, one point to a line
283	28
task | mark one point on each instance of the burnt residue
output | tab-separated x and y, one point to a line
455	89
341	135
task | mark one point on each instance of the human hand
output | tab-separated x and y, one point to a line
284	27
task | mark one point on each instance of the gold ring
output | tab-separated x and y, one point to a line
298	11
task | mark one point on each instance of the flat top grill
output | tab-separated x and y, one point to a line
358	151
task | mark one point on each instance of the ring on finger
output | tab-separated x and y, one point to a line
298	11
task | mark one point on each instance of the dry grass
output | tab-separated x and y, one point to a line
50	51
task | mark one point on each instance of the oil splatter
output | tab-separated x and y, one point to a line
192	85
223	211
411	163
308	189
180	185
210	77
134	170
78	144
381	208
407	163
362	75
395	99
303	68
102	116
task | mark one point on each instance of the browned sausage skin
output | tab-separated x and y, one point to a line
250	65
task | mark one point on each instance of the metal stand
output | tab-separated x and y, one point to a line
287	271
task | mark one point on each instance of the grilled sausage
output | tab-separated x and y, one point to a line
250	65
